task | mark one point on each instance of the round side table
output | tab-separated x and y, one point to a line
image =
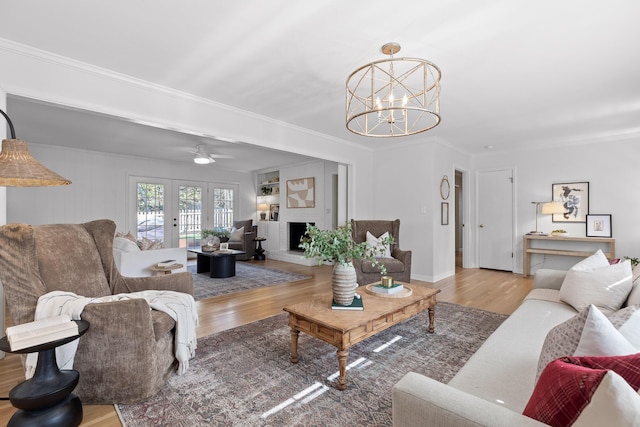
46	399
259	255
165	270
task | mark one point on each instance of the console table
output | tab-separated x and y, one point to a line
564	248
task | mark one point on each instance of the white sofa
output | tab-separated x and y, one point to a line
494	386
133	262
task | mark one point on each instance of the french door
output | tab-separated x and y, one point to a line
175	212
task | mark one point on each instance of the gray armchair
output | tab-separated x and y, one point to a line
246	242
398	267
128	352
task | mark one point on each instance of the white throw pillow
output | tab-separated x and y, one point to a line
600	338
596	260
382	250
564	338
605	287
125	245
614	403
236	234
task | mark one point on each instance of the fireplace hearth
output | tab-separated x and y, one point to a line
296	231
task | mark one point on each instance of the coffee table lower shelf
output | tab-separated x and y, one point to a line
342	329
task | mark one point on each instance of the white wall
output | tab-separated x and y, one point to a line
407	186
612	172
99	186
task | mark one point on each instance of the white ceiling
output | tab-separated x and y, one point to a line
516	74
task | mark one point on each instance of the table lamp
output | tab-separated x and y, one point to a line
548	208
263	207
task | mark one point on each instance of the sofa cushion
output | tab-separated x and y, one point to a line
124	244
149	245
600	338
247	224
128	235
236	234
504	367
588	391
565	338
597	260
382	250
606	287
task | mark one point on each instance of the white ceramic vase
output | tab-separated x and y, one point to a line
344	283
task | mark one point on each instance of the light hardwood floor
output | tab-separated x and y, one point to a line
490	290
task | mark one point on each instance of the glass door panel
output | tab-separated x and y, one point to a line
150	205
190	218
223	207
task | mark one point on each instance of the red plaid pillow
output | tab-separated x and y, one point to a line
573	386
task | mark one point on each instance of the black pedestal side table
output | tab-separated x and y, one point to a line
46	400
259	255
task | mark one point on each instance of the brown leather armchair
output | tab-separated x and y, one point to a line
246	242
128	352
398	267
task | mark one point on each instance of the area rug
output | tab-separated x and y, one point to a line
248	276
244	377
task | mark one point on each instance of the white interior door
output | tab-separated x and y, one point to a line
495	219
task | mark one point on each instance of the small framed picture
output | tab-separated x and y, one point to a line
599	225
444	213
224	246
274	211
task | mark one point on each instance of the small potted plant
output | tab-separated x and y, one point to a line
559	232
212	238
337	246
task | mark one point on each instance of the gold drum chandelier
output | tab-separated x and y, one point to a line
393	97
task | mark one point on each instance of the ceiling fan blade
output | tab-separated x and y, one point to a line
221	156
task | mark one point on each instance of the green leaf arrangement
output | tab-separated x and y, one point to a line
339	247
219	232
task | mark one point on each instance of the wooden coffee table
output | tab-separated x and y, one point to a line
344	328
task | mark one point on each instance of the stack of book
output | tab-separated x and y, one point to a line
356	304
167	264
41	331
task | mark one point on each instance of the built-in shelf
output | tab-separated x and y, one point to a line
271	182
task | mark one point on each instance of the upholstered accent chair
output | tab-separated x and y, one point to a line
398	266
128	352
244	242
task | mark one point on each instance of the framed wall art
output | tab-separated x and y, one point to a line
301	193
274	212
599	225
444	213
574	196
445	188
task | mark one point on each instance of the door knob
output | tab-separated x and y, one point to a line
481	226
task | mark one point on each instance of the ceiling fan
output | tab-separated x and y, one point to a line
204	158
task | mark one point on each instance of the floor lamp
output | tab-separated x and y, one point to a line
19	169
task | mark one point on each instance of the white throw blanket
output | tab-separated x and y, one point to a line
180	306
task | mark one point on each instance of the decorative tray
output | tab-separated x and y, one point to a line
406	292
